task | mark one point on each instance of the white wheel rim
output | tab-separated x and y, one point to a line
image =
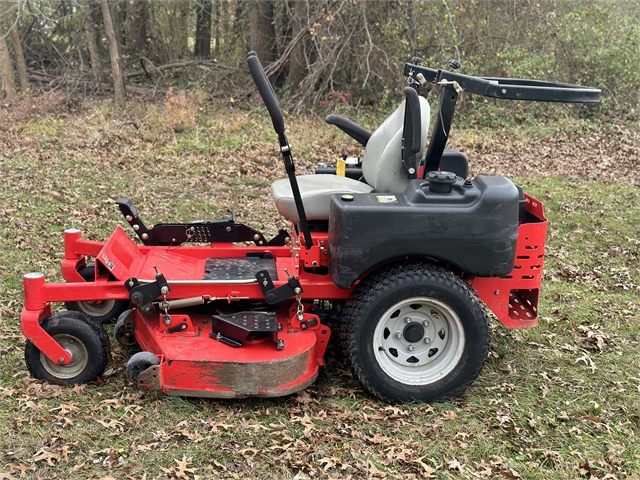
419	341
96	308
79	358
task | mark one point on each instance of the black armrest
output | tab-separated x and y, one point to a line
355	131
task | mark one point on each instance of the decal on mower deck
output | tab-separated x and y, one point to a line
108	263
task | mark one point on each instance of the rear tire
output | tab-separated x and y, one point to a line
83	338
103	311
415	332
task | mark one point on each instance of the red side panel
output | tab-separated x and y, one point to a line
514	297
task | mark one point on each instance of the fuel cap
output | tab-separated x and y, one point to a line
441	182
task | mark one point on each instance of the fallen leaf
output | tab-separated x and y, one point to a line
183	470
45	455
7	476
449	415
23	469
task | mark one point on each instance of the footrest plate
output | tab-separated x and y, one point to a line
237	269
234	329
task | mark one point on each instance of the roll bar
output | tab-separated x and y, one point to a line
508	88
454	83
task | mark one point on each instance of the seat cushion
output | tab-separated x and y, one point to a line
316	193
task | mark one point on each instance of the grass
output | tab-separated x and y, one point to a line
558	401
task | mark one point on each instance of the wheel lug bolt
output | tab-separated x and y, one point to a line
410	347
425	323
407	320
427	340
61	360
398	335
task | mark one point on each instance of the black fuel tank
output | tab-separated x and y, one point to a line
473	227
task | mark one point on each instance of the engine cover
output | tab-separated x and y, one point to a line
473	228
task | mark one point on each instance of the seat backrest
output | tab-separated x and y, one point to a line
382	163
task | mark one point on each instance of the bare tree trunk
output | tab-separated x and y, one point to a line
261	31
115	21
298	63
204	9
235	25
136	26
180	28
218	35
92	43
8	79
116	70
21	65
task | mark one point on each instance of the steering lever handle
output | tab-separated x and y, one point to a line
267	93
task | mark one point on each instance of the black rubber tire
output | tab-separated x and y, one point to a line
138	363
78	334
460	320
118	331
103	311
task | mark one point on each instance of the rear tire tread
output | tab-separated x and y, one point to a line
386	281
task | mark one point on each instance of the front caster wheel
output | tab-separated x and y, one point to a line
83	338
103	311
138	363
415	332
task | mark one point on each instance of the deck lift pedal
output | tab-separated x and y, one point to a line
402	257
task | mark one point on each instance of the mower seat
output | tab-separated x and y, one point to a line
381	167
316	193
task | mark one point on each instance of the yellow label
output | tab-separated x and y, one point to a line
340	167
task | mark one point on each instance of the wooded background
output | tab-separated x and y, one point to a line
315	51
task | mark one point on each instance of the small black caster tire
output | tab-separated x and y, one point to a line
119	333
83	338
415	332
138	363
103	311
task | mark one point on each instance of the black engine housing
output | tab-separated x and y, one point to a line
473	228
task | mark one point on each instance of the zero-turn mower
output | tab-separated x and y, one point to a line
402	252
